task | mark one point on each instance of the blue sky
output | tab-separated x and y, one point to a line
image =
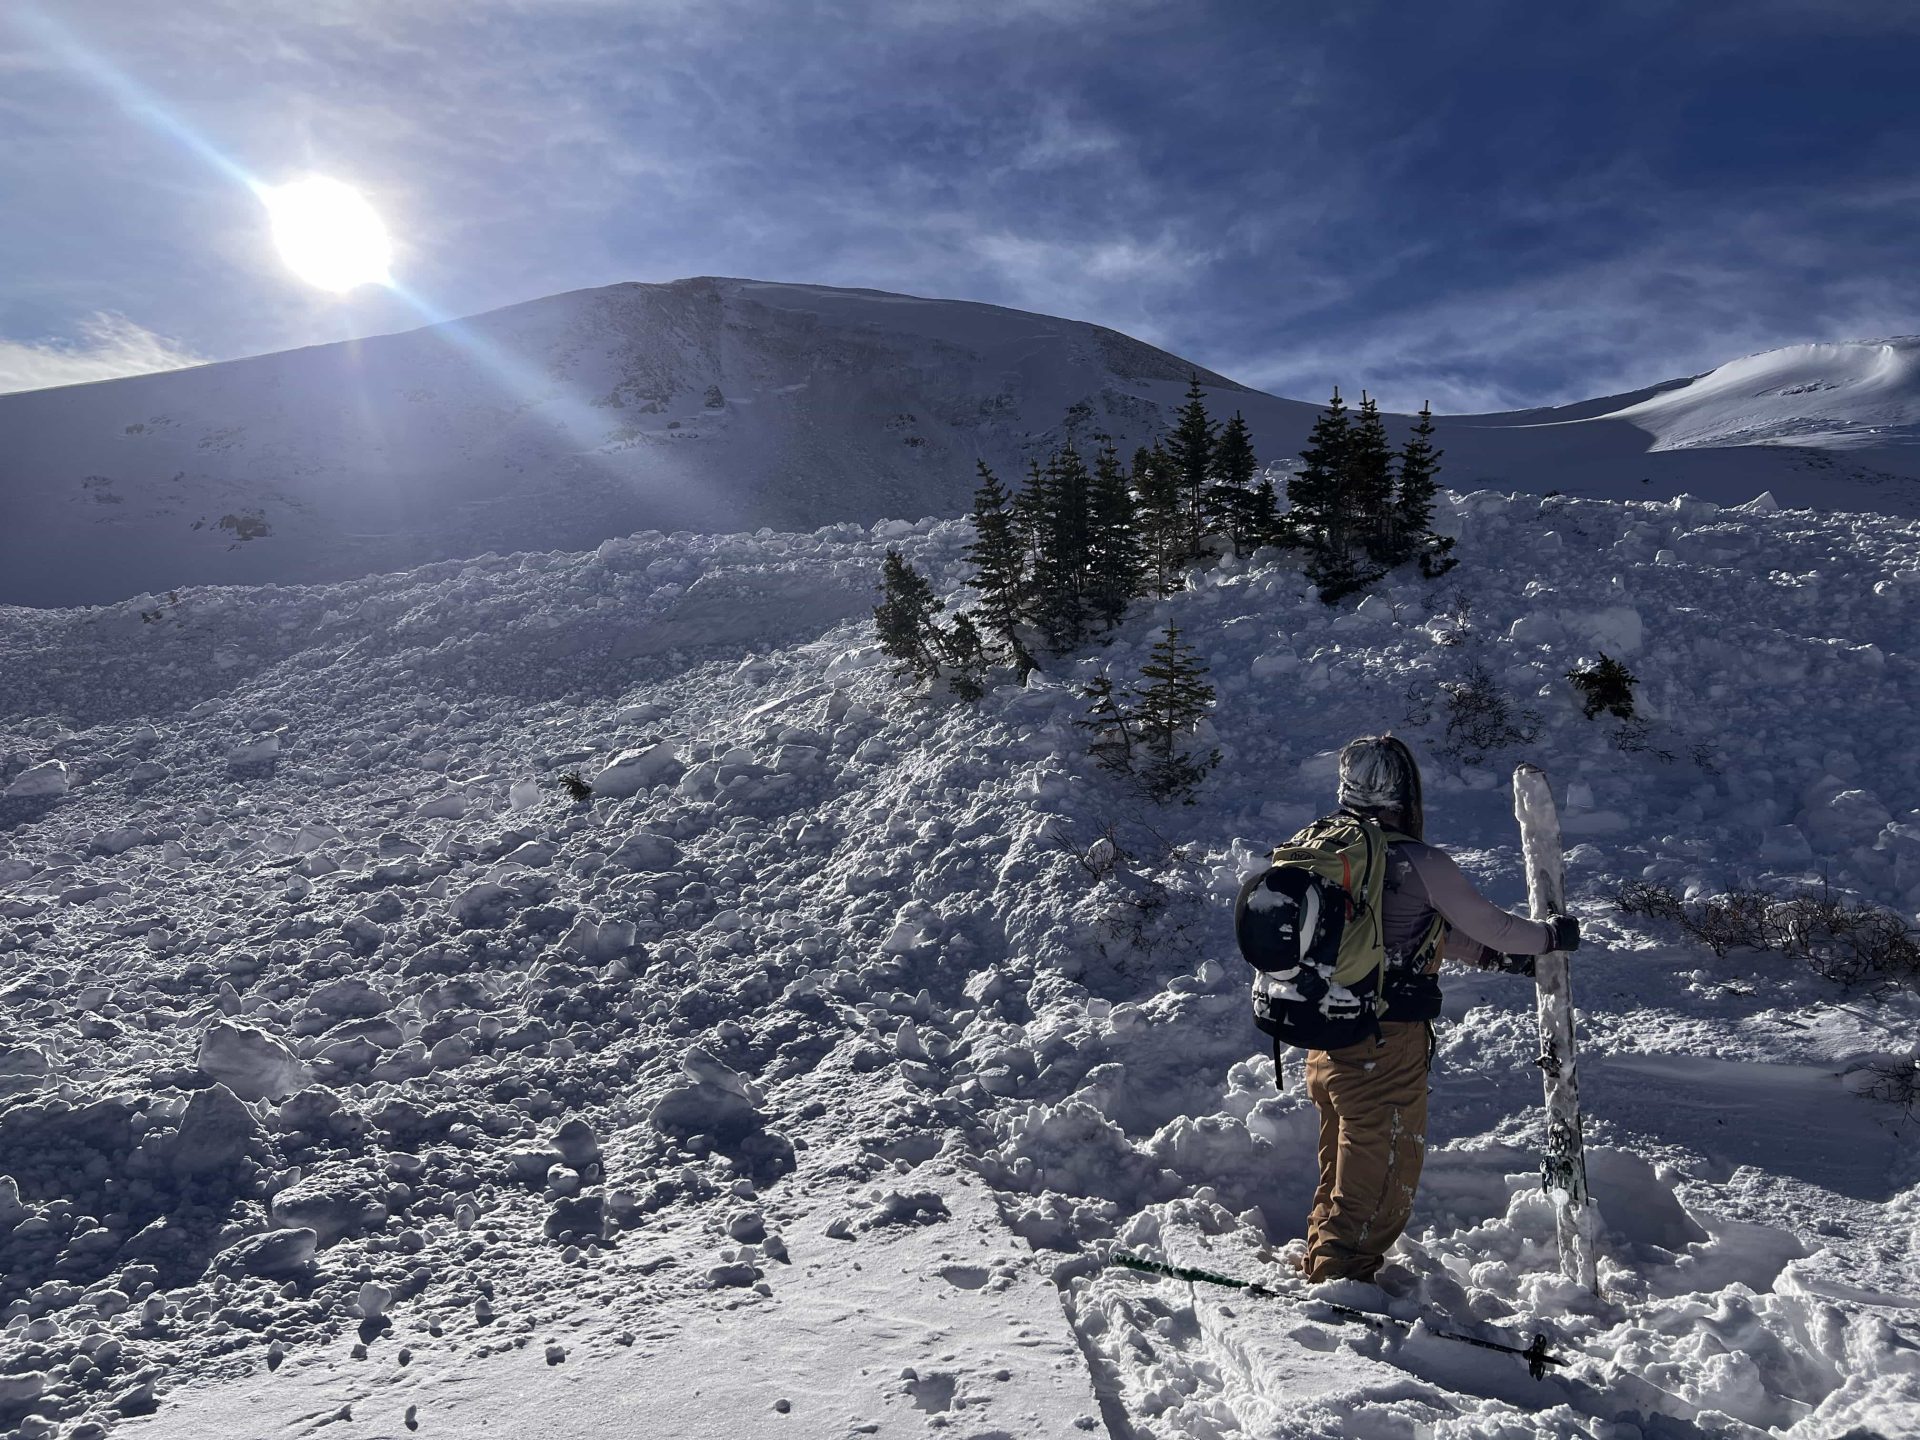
1485	203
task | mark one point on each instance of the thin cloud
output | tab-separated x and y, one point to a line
109	346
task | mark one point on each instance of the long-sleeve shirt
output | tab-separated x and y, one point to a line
1422	879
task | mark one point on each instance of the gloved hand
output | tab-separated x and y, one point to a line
1516	964
1566	933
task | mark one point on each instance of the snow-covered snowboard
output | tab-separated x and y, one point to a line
1565	1167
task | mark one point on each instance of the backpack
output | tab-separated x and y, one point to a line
1310	925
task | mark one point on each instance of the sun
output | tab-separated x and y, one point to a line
328	234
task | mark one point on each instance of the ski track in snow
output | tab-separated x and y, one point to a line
875	1058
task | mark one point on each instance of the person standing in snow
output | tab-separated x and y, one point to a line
1372	1096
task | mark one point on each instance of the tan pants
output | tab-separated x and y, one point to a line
1373	1135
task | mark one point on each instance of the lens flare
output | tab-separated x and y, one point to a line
328	234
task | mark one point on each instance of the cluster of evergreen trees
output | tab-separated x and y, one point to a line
1356	508
1061	559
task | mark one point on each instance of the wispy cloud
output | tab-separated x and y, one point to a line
108	347
1488	212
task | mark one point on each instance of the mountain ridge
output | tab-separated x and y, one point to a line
718	404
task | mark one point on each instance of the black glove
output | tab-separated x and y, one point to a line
1516	964
1566	933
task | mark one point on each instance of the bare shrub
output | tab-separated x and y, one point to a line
1898	1083
1480	720
1851	942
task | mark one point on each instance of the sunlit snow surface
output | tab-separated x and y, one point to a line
879	1052
732	405
1841	397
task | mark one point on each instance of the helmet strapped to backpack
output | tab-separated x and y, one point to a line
1310	925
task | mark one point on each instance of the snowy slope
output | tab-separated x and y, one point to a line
1837	397
731	405
880	1050
712	404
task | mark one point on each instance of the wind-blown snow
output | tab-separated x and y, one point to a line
806	1083
1837	397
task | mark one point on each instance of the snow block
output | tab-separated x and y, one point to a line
703	1108
1785	845
46	780
249	753
215	1134
645	850
1616	629
249	1062
334	1203
632	771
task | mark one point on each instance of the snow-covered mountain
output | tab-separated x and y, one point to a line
1863	396
719	405
704	404
357	1081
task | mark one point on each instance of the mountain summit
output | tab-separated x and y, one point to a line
726	405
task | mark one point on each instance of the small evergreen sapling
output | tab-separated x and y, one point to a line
1172	706
1111	725
576	786
907	618
1605	686
1144	738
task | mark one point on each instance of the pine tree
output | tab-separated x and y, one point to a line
1060	561
907	618
1263	515
1191	449
967	657
1112	726
1028	506
1232	496
1156	486
1171	707
1314	497
999	566
1370	482
1116	568
1340	499
1413	501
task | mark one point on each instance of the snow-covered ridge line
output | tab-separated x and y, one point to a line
843	959
1837	396
719	405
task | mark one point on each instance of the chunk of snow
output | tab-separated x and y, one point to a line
250	1062
48	778
632	771
253	752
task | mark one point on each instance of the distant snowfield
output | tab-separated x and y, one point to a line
1836	397
839	1028
731	405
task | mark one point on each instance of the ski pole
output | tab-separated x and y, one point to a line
1534	1352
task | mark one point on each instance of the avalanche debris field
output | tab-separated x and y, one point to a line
356	1079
